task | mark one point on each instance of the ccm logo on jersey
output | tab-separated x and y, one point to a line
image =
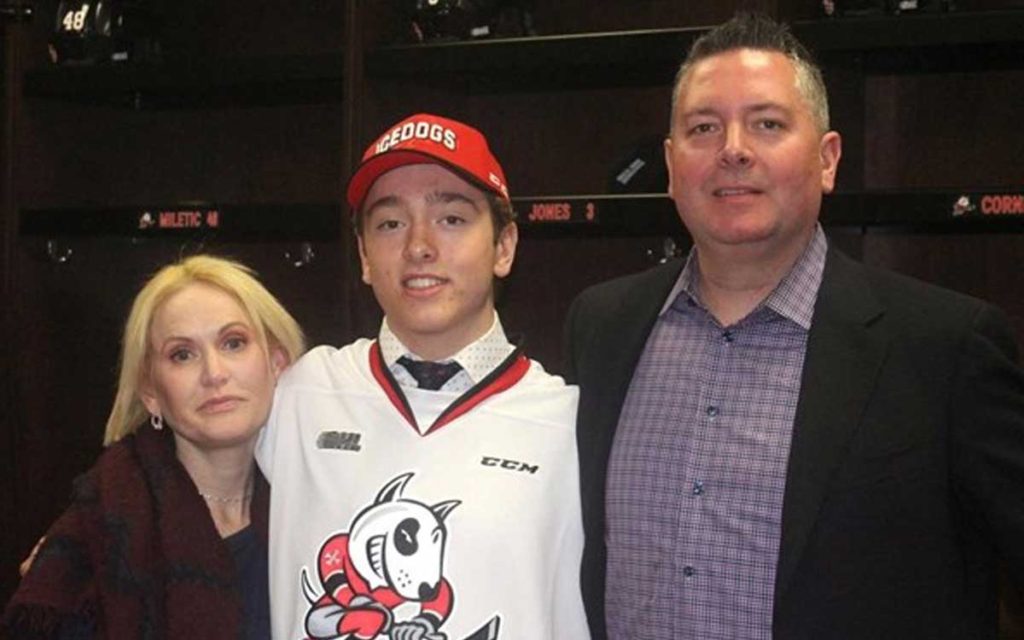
511	465
417	129
341	440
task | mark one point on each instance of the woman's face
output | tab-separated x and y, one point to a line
208	375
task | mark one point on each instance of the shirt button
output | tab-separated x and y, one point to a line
688	571
728	337
698	488
712	411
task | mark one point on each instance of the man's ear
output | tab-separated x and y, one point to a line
831	150
668	165
505	253
364	263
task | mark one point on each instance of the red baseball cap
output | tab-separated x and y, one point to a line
425	138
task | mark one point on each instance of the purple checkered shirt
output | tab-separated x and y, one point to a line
698	467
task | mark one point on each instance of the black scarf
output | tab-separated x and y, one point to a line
137	553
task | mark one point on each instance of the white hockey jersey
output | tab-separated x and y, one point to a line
474	526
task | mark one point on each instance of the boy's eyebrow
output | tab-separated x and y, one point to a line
445	197
383	201
432	198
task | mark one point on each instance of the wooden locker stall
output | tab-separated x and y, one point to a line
272	104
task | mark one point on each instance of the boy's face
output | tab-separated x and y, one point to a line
428	250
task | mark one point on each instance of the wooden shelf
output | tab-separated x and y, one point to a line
883	44
228	222
870	33
579	60
919	43
905	44
987	210
272	80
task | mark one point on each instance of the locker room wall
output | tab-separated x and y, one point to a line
62	322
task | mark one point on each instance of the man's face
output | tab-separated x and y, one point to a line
428	250
747	165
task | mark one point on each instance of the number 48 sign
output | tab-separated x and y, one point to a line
93	31
80	18
82	31
74	17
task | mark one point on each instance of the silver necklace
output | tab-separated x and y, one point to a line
213	498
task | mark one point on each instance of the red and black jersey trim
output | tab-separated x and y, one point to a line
505	375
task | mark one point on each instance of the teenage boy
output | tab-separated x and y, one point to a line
425	484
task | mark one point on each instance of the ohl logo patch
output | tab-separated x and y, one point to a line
391	557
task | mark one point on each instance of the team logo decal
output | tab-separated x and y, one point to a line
990	204
391	558
963	205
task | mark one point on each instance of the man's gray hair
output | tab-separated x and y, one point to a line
758	31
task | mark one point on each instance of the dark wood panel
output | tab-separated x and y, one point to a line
944	130
847	115
9	91
73	155
577	16
386	25
549	143
982	265
234	28
549	272
195	82
927	131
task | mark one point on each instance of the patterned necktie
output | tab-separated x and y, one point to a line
430	375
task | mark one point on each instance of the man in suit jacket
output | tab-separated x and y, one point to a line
775	440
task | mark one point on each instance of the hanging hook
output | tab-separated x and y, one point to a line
58	253
302	257
16	12
669	250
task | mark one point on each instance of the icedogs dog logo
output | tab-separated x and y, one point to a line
391	555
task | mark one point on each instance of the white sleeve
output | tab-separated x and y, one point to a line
266	442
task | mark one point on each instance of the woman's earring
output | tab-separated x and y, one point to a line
157	421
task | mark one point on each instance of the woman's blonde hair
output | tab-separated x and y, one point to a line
274	327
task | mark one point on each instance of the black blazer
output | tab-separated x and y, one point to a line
906	473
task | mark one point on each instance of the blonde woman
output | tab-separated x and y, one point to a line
166	534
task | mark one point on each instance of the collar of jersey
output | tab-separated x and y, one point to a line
505	375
